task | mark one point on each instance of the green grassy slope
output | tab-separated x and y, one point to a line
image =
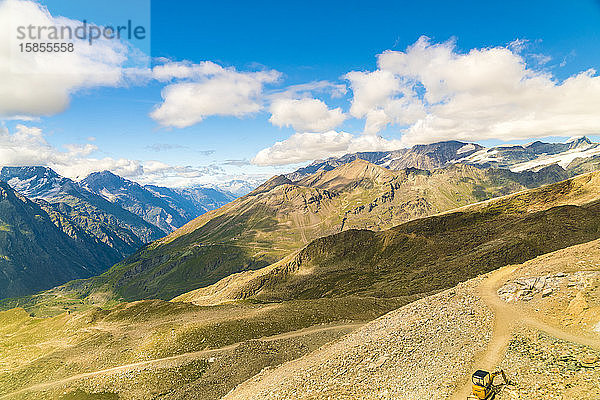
37	350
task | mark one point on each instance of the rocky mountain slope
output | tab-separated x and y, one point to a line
281	217
517	158
105	220
426	254
39	250
426	157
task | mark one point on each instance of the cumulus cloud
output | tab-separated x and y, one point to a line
436	93
382	98
37	83
207	89
305	115
302	147
27	146
432	92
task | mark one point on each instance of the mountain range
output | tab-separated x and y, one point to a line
108	215
425	254
517	158
280	217
210	235
165	208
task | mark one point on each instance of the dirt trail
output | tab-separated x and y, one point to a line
506	316
192	355
503	325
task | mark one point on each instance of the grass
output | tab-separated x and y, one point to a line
82	395
45	349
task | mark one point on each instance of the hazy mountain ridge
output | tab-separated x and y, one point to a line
194	200
163	207
237	187
135	198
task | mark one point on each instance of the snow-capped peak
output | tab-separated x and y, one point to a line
578	140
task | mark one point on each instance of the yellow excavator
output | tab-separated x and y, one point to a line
484	387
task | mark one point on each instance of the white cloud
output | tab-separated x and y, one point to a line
489	93
185	70
27	146
302	147
305	115
208	89
37	84
382	98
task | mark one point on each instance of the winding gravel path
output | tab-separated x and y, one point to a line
506	317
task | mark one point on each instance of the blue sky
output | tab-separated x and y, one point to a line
303	42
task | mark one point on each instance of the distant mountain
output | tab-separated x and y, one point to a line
192	201
36	182
534	155
517	158
281	216
426	157
163	207
137	199
108	222
40	249
238	187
